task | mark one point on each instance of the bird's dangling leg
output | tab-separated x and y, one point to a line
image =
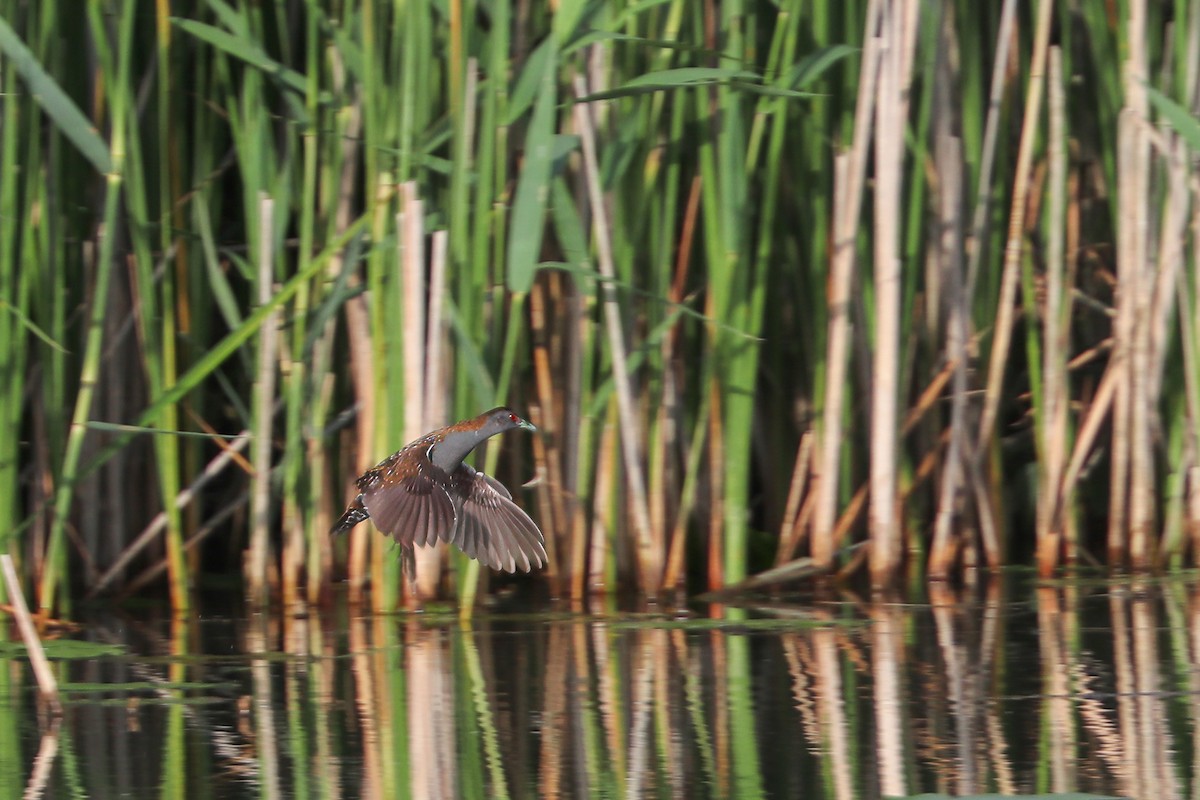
408	563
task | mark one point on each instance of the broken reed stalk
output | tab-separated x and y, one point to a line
37	656
435	370
410	224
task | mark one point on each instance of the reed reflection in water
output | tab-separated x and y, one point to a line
1069	688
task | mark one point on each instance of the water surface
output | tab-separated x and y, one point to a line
1012	688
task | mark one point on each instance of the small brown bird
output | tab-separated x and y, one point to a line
425	493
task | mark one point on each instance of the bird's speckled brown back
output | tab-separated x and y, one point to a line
424	493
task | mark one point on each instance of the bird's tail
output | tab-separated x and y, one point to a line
353	515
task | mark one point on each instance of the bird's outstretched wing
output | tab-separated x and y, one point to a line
492	528
416	510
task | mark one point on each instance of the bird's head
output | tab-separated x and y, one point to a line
501	419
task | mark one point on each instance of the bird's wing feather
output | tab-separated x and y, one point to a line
415	510
494	529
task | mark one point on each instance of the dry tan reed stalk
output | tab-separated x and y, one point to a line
930	397
320	559
410	224
803	519
1002	332
1121	362
576	430
1074	214
1187	330
657	446
850	515
1089	429
291	521
677	550
1171	246
1127	506
1143	400
1055	318
849	180
987	159
788	530
47	684
602	510
890	115
951	245
212	523
716	489
673	571
256	565
837	364
435	368
578	333
229	452
550	490
649	551
577	552
541	457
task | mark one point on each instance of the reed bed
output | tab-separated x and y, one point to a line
771	279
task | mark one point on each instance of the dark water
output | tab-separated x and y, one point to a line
1009	688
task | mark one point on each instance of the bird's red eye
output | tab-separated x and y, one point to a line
513	417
